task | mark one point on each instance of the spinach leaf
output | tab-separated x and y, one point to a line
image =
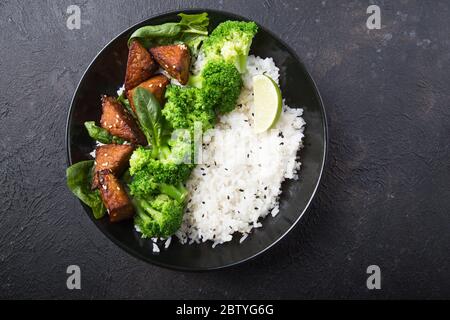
148	112
79	178
194	23
99	134
191	30
150	34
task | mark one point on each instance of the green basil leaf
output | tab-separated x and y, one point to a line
79	179
102	135
148	112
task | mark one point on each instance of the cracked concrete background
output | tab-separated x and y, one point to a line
385	195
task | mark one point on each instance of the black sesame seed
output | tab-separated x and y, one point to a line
256	208
265	188
228	197
282	143
241	190
203	202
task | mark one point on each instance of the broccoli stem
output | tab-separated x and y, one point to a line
242	63
178	193
196	81
164	152
154	214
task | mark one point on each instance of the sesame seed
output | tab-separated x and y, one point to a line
118	188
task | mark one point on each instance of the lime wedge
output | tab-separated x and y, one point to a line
268	104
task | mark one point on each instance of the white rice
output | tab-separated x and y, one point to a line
239	180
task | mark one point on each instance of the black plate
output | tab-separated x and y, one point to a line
106	73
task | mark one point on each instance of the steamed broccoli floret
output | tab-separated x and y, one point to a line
231	41
160	216
152	176
138	160
181	147
220	84
185	106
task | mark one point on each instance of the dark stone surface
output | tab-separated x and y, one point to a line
385	196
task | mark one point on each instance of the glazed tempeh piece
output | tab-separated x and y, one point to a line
175	59
156	85
140	65
117	120
113	157
114	197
